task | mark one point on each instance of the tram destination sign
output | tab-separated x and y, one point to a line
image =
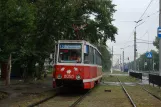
70	46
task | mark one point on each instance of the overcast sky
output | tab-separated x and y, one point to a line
127	12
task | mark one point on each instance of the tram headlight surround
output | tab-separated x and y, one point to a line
59	76
78	77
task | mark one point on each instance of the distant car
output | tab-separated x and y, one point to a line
126	68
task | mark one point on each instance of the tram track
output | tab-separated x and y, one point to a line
149	92
142	88
45	99
74	104
80	99
125	91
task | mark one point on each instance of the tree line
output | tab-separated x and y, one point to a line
29	29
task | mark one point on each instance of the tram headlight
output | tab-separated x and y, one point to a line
59	76
78	77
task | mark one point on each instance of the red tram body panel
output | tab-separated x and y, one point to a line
75	73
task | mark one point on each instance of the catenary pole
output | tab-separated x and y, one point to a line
123	60
112	62
160	38
135	50
120	62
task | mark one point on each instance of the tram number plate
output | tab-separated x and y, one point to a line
68	76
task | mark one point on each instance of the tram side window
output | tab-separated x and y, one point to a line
91	55
98	58
95	56
87	55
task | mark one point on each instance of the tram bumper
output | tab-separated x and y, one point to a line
63	82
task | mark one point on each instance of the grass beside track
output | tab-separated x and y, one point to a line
109	78
115	72
154	90
101	98
119	72
128	79
141	97
30	99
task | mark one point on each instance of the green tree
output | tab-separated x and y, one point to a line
17	23
156	43
106	57
55	20
30	28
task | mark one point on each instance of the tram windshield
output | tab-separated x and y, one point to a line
70	53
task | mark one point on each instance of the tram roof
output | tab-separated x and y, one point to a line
71	41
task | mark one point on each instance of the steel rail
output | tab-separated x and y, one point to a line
45	99
150	92
42	101
131	101
81	98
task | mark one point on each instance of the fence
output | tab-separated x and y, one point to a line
136	75
155	79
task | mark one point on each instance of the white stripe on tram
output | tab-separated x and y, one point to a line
92	79
71	64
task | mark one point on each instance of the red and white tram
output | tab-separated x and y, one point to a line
77	63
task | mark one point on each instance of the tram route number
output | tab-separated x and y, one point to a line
68	76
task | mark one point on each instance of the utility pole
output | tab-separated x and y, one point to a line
120	62
160	38
123	60
112	62
139	66
135	43
135	50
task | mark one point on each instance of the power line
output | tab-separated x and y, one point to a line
144	34
141	24
146	9
144	40
142	19
151	15
126	42
131	34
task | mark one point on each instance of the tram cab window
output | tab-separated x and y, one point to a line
71	55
